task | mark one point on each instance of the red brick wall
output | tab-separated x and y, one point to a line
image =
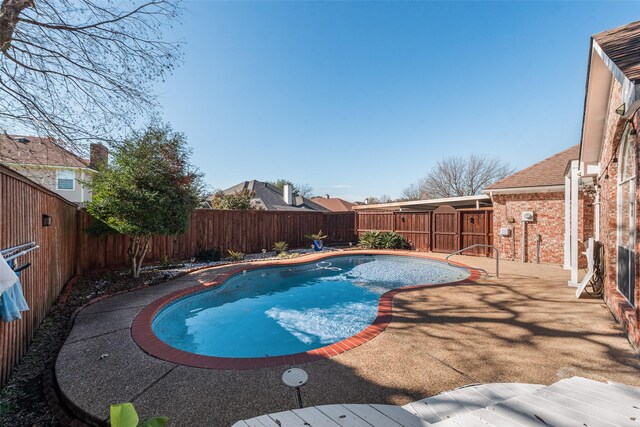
628	316
548	221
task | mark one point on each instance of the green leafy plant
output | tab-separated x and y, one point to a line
125	415
165	261
316	236
284	255
280	247
382	240
236	256
149	188
208	255
370	240
240	200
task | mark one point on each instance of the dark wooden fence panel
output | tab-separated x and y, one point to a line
443	230
22	204
474	229
374	221
244	231
415	227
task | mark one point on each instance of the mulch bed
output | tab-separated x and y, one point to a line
22	400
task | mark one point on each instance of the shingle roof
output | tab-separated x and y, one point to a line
622	46
334	204
32	150
548	172
271	198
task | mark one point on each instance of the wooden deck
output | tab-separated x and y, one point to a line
570	402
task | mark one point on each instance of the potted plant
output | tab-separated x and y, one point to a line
317	239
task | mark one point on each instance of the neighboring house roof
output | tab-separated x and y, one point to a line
36	151
271	198
549	172
334	204
622	46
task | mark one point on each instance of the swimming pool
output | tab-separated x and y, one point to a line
284	310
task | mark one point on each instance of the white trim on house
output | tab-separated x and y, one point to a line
35	166
518	190
429	203
567	222
573	243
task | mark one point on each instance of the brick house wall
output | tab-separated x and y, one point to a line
549	211
628	316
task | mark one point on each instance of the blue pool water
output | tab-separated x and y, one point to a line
284	310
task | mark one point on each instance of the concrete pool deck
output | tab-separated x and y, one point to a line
526	327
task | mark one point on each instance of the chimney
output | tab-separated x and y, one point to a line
98	155
287	194
326	196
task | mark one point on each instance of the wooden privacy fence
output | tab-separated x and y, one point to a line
244	231
443	230
22	204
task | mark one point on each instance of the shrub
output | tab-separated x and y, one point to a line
236	256
383	240
208	255
280	247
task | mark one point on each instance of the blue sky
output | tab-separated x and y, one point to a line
361	99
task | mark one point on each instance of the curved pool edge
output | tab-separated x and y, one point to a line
143	335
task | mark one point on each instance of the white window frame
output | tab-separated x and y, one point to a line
628	184
73	179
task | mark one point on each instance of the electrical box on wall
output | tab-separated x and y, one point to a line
505	231
527	216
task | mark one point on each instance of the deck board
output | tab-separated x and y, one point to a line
342	416
402	416
372	416
569	402
314	417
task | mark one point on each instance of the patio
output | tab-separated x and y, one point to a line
525	327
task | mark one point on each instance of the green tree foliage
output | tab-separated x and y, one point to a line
304	190
149	188
240	200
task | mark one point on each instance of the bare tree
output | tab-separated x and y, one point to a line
459	176
414	192
82	69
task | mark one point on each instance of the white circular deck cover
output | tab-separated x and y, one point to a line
295	377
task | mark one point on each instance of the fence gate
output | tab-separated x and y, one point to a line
445	230
476	228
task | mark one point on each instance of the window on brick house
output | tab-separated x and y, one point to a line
626	218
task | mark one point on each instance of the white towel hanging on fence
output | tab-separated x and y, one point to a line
8	277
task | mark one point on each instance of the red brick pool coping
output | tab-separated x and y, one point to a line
144	336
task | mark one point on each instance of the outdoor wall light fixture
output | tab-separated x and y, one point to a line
46	220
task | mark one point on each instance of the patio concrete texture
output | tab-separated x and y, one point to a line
525	327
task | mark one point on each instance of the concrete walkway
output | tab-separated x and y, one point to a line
525	327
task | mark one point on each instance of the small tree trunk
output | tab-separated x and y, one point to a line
137	250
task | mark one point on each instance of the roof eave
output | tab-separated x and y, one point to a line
520	190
